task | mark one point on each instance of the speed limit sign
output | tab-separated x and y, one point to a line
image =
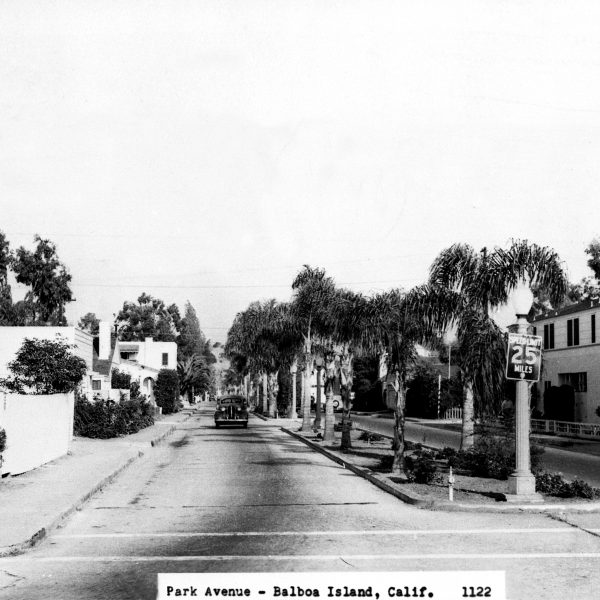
523	357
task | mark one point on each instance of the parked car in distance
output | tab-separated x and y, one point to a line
231	410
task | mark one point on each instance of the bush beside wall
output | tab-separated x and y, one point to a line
166	391
107	419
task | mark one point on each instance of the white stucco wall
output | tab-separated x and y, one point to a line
38	429
150	353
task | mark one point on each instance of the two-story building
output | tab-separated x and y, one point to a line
141	360
571	357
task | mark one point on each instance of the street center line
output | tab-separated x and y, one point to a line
380	532
297	557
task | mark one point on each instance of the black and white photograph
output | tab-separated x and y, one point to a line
299	299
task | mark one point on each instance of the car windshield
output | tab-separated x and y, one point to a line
232	401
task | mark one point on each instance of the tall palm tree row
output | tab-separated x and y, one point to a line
322	321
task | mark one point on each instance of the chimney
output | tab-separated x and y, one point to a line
104	341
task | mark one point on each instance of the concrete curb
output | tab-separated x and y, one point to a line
420	502
39	535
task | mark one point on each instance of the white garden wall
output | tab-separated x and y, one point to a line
38	429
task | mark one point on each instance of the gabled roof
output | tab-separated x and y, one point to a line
569	310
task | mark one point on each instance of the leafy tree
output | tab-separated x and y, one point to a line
191	339
166	390
148	318
593	250
6	310
90	323
45	367
48	278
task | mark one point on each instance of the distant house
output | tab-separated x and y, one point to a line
141	360
571	361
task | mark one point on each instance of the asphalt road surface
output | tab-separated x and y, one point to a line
570	463
257	500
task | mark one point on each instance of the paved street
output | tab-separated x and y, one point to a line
570	463
252	500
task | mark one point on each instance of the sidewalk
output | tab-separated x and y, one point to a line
36	502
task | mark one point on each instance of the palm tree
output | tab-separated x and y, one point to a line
194	375
349	337
261	340
394	328
313	291
465	286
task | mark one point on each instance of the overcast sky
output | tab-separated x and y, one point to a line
206	150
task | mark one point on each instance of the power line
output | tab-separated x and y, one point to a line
226	286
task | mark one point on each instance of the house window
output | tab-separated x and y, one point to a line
165	359
578	381
534	330
549	336
573	332
593	329
96	384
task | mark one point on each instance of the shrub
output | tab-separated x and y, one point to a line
489	457
45	367
494	457
446	453
420	469
369	436
134	390
166	391
120	380
554	484
107	418
2	440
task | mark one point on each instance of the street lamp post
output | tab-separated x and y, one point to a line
522	481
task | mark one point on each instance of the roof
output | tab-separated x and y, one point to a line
568	310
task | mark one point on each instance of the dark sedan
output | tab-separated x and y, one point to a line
231	410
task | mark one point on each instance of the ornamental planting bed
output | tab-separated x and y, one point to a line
372	459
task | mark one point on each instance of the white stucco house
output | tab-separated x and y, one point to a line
141	360
571	356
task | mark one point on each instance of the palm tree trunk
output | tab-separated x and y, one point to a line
346	422
292	408
468	422
329	430
317	423
265	407
306	424
398	465
272	395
